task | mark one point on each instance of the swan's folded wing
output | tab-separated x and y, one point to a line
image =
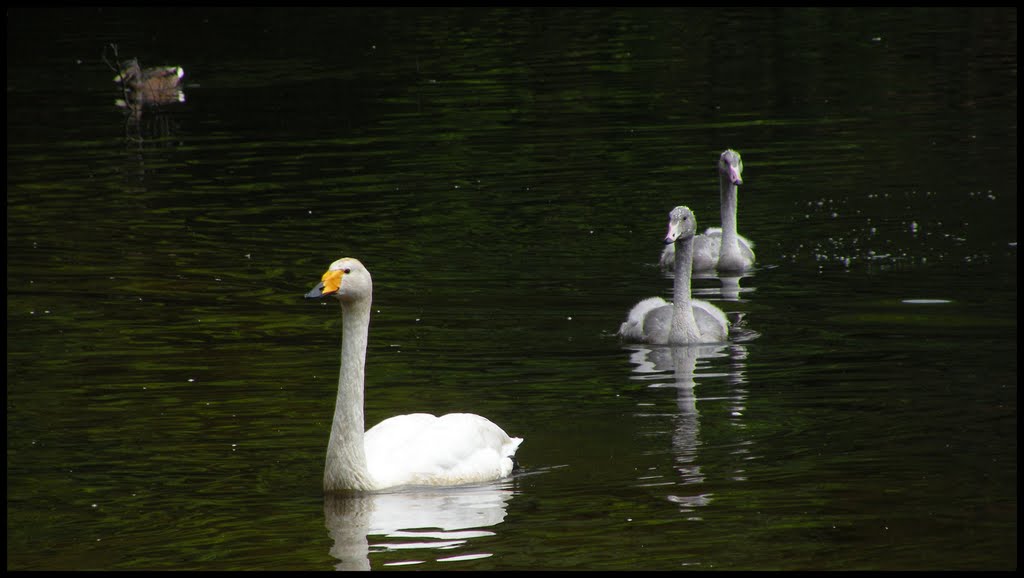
451	449
713	323
706	248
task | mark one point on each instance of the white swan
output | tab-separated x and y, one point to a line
684	321
720	248
413	449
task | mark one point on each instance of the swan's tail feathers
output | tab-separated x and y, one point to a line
512	446
509	450
633	327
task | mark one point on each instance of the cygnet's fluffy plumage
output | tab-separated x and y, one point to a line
720	248
686	320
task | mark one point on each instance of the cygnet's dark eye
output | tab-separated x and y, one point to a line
347	270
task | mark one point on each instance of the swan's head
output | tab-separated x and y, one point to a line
346	279
731	165
681	225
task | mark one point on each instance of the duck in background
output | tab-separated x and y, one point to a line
155	85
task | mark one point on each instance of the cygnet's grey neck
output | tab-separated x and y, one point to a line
728	204
684	324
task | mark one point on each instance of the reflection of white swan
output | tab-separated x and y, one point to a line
720	248
443	520
685	320
412	449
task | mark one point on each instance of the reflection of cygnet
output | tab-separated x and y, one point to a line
730	288
414	449
680	364
434	517
684	437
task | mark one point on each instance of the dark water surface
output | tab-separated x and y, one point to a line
506	174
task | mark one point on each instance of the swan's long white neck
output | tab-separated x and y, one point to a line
345	468
728	201
684	326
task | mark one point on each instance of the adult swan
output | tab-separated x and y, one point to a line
413	449
720	248
686	320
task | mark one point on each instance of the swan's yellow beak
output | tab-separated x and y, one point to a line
328	285
332	281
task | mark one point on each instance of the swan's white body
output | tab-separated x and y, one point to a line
720	248
413	449
686	320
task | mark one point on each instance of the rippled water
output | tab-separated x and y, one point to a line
506	176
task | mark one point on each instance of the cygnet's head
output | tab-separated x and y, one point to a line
731	165
346	279
681	225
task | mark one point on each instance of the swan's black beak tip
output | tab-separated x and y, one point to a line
316	292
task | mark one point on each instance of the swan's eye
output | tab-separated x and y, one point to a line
347	270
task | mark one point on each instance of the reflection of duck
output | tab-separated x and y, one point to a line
156	85
425	519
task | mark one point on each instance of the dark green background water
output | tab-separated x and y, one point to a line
506	174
